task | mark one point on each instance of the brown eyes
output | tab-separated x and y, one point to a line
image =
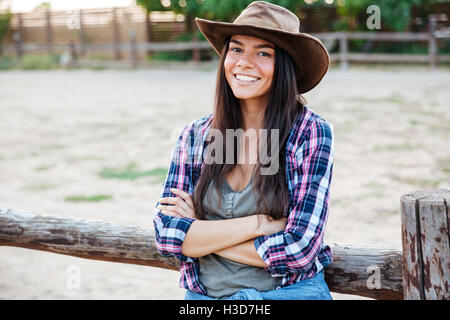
264	54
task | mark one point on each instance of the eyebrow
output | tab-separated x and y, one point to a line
258	46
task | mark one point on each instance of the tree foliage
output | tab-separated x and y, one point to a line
192	8
395	14
228	10
152	5
224	10
43	6
5	17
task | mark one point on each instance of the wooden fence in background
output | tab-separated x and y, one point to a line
128	33
52	31
421	271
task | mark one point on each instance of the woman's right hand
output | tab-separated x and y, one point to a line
268	226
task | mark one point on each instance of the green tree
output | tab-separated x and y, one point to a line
5	18
44	6
395	14
190	9
152	5
223	10
228	10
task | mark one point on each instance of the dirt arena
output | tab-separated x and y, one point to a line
96	144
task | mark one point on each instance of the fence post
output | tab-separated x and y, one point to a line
18	36
343	48
432	43
433	19
116	34
49	32
196	50
425	241
73	55
81	33
148	30
133	48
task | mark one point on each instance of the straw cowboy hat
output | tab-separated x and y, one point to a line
280	27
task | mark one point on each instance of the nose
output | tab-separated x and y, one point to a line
245	61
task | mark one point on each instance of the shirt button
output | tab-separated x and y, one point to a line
229	204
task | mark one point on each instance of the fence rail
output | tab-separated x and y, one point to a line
130	32
343	56
97	240
418	270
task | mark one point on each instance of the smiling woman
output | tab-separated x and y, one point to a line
239	231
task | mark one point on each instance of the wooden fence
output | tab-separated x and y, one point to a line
52	31
134	49
130	33
420	271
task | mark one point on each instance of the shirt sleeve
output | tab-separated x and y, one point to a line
295	249
171	231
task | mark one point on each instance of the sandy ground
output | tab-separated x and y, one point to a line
60	129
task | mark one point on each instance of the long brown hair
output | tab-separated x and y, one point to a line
282	110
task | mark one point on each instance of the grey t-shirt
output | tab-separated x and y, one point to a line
222	277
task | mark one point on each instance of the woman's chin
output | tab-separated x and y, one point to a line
245	95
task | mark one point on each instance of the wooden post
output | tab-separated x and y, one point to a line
133	48
195	51
73	54
343	48
49	32
116	31
433	19
148	29
190	30
81	32
425	240
18	36
18	43
432	44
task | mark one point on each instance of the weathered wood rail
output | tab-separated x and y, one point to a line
343	56
100	240
419	271
39	32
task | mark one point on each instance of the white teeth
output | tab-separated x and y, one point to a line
246	78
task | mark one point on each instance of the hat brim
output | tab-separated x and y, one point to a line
309	54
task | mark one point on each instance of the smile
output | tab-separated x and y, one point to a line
246	78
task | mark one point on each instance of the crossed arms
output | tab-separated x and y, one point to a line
231	238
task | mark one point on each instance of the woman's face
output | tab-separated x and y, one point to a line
249	66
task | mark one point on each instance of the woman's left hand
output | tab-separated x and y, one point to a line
181	206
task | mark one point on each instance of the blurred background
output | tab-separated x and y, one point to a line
49	34
93	95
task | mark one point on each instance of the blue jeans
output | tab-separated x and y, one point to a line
310	289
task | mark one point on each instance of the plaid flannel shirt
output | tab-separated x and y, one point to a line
294	254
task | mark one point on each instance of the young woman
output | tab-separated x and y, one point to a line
247	229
